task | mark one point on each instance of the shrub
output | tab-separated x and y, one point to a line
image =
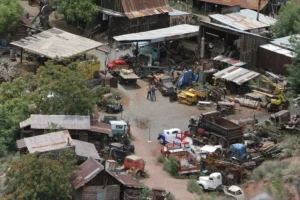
145	192
171	166
269	169
193	187
161	159
277	189
171	197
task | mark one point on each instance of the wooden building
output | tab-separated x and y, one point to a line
218	40
131	16
94	181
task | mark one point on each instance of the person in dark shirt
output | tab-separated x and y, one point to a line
153	89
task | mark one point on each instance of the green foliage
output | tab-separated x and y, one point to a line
288	22
77	10
171	197
39	176
193	187
277	189
171	166
10	13
293	68
269	169
161	159
145	192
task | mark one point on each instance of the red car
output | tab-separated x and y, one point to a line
113	63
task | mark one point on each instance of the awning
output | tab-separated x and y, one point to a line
237	75
160	35
230	61
56	43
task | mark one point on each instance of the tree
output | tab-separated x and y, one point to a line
40	176
77	11
293	68
288	22
10	13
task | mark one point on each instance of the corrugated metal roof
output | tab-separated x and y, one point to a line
285	42
230	61
86	149
250	4
142	8
244	20
70	122
100	127
126	179
87	171
111	12
178	13
237	75
56	43
160	35
49	142
278	50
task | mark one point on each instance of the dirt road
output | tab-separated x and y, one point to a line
158	177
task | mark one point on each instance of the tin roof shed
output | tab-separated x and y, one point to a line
237	75
250	4
86	150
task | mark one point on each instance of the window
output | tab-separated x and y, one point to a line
129	161
137	162
133	22
193	151
239	192
119	126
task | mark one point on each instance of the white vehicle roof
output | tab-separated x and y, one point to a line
210	148
172	129
215	174
234	188
120	122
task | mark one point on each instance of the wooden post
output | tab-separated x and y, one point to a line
258	9
21	59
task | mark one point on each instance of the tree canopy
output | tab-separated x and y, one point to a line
10	13
293	68
288	22
41	176
77	11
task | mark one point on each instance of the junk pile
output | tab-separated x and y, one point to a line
9	70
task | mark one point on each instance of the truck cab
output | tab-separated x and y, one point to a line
211	182
118	128
174	135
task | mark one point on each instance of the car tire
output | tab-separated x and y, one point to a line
139	173
202	188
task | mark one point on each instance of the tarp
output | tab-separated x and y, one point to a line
187	77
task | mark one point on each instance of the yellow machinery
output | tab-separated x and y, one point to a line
277	99
191	96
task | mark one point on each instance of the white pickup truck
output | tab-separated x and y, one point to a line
174	135
214	182
201	152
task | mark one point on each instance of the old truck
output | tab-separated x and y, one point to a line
174	135
164	84
219	130
186	163
135	165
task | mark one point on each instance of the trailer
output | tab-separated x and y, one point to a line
186	163
218	129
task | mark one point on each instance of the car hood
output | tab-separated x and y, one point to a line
168	85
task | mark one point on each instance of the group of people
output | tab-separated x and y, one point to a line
151	93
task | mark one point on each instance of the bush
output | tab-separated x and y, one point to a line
277	189
269	169
171	197
145	192
171	166
161	159
193	187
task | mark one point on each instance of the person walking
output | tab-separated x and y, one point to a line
153	89
149	93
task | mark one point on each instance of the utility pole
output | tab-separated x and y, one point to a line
149	140
258	9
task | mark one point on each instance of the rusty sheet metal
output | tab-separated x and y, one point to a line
279	50
237	75
86	172
126	179
160	35
100	127
141	8
86	149
48	142
244	20
230	61
250	4
70	122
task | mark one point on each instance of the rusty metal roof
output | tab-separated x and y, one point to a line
279	50
86	149
250	4
160	35
48	142
230	61
100	127
244	20
142	8
86	172
126	179
70	122
237	75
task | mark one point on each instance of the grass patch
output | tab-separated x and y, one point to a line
145	192
193	187
171	166
269	169
276	189
171	197
161	159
